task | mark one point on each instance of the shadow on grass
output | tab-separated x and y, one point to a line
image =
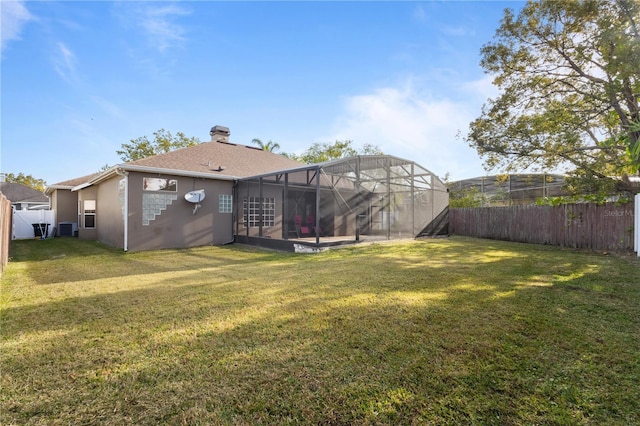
65	260
416	333
235	277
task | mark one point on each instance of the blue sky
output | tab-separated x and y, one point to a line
79	79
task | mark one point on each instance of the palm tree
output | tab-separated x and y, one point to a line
270	146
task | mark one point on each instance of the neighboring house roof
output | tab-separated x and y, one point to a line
20	193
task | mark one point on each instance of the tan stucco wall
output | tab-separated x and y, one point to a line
65	204
109	218
90	193
177	226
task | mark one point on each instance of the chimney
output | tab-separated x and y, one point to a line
219	134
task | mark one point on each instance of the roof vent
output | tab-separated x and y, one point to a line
219	134
215	169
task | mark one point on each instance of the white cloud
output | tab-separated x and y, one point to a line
482	88
419	14
64	62
398	115
411	123
458	31
14	16
158	23
108	107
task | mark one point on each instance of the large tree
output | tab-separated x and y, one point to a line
321	152
28	180
569	80
163	141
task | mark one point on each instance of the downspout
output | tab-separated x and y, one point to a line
126	208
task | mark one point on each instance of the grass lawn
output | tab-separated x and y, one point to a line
446	331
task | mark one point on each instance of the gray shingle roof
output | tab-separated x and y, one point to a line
20	193
76	181
220	158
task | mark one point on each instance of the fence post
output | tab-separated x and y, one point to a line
6	216
636	225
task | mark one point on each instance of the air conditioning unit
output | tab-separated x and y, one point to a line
67	229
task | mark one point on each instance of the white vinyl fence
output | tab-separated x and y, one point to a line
23	221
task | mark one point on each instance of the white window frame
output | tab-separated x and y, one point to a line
89	210
225	203
252	215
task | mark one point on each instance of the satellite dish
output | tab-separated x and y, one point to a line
194	196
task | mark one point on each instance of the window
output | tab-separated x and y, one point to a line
89	212
225	202
159	184
251	212
268	211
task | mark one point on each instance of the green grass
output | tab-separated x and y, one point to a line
446	331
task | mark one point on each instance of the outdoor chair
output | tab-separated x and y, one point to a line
311	223
300	229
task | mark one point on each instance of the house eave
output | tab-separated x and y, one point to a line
302	168
185	173
99	178
123	168
49	189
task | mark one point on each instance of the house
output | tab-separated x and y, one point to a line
219	192
64	203
140	205
24	197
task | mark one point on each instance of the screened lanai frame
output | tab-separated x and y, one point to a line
360	198
510	189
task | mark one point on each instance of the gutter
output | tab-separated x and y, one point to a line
185	173
102	176
49	189
120	168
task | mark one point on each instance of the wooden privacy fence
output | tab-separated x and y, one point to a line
590	226
5	230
